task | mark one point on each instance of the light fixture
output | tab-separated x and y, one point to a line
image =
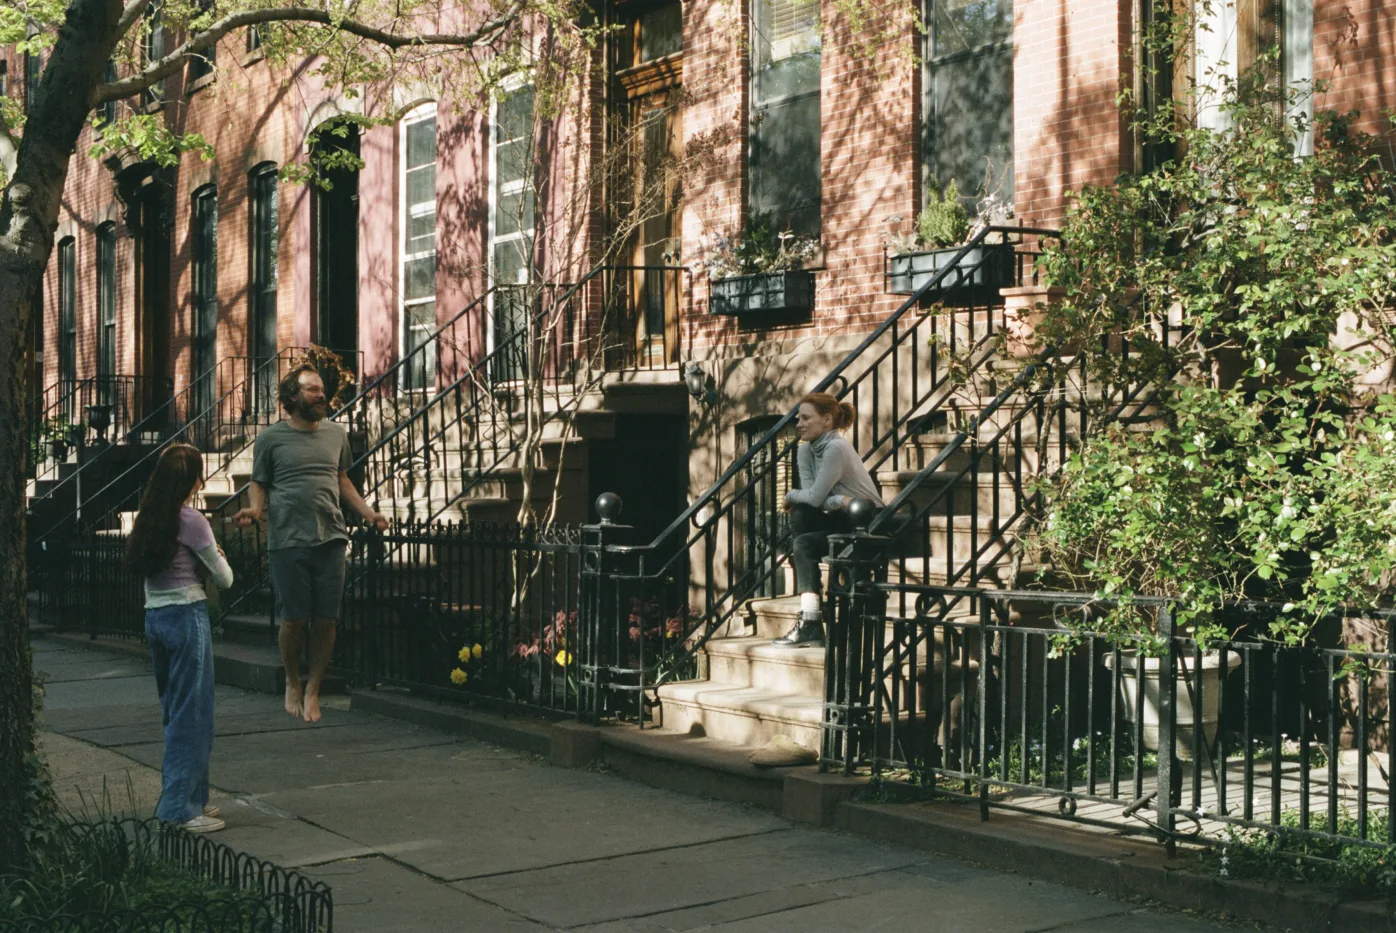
700	385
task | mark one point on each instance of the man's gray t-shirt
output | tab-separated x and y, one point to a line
300	470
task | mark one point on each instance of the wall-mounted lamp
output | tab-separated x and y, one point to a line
700	385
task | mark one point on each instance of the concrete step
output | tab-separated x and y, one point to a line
755	662
742	715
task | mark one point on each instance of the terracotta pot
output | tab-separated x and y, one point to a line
1024	309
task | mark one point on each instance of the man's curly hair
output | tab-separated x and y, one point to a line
290	385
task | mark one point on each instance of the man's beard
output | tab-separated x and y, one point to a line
312	411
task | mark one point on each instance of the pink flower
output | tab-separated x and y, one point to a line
634	633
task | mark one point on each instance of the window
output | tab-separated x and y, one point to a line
4	79
202	65
154	51
67	311
106	112
33	71
106	299
1215	61
1297	59
511	219
967	122
262	199
784	121
204	252
254	39
660	32
417	252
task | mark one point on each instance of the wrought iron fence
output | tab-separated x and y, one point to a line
84	587
1011	700
485	612
251	895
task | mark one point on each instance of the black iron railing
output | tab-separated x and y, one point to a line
904	379
247	893
92	497
1012	701
486	613
96	410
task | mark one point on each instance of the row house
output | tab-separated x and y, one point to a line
175	282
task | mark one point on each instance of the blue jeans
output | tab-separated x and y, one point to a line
181	646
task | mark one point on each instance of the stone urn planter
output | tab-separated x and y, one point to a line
981	273
1024	309
786	292
1187	699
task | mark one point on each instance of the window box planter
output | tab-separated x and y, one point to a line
764	293
983	271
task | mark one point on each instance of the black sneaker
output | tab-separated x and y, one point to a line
805	633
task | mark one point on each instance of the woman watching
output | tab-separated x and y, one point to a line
169	544
831	476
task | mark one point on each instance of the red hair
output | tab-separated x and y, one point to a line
830	407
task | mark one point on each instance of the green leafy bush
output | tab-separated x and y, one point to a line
1265	471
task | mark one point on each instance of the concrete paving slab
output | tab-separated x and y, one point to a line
1140	920
994	904
224	725
281	838
576	894
374	895
505	817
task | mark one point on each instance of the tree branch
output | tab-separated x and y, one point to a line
129	15
483	34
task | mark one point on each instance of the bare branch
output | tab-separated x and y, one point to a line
129	16
483	34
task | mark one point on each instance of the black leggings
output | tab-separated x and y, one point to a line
809	542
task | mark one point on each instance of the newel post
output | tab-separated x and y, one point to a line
855	612
600	624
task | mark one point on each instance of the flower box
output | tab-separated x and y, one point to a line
764	293
977	278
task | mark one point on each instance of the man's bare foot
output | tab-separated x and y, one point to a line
312	707
293	700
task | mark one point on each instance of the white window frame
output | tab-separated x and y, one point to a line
496	191
406	212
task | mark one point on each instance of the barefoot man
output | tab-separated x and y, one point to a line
299	477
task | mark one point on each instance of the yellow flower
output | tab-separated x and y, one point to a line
563	658
458	676
464	655
477	650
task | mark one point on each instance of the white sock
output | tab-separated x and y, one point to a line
809	605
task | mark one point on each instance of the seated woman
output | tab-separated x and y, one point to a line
831	476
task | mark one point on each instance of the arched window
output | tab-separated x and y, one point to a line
417	243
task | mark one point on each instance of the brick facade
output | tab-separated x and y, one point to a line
1070	58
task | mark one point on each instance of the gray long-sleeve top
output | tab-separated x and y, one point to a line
831	473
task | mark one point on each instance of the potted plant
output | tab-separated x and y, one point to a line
762	272
939	233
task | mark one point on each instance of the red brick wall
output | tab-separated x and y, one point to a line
1069	56
1354	50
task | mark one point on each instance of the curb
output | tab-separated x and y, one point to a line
1119	867
525	735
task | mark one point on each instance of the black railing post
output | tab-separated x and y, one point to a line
600	620
1167	715
856	616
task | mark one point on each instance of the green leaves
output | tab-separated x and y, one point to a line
1270	470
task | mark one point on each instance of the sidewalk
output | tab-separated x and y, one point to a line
417	830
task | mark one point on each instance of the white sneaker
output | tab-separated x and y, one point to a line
202	824
210	810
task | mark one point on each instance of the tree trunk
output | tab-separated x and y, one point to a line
28	219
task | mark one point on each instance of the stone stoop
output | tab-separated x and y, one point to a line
754	691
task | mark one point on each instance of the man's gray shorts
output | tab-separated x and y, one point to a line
308	581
